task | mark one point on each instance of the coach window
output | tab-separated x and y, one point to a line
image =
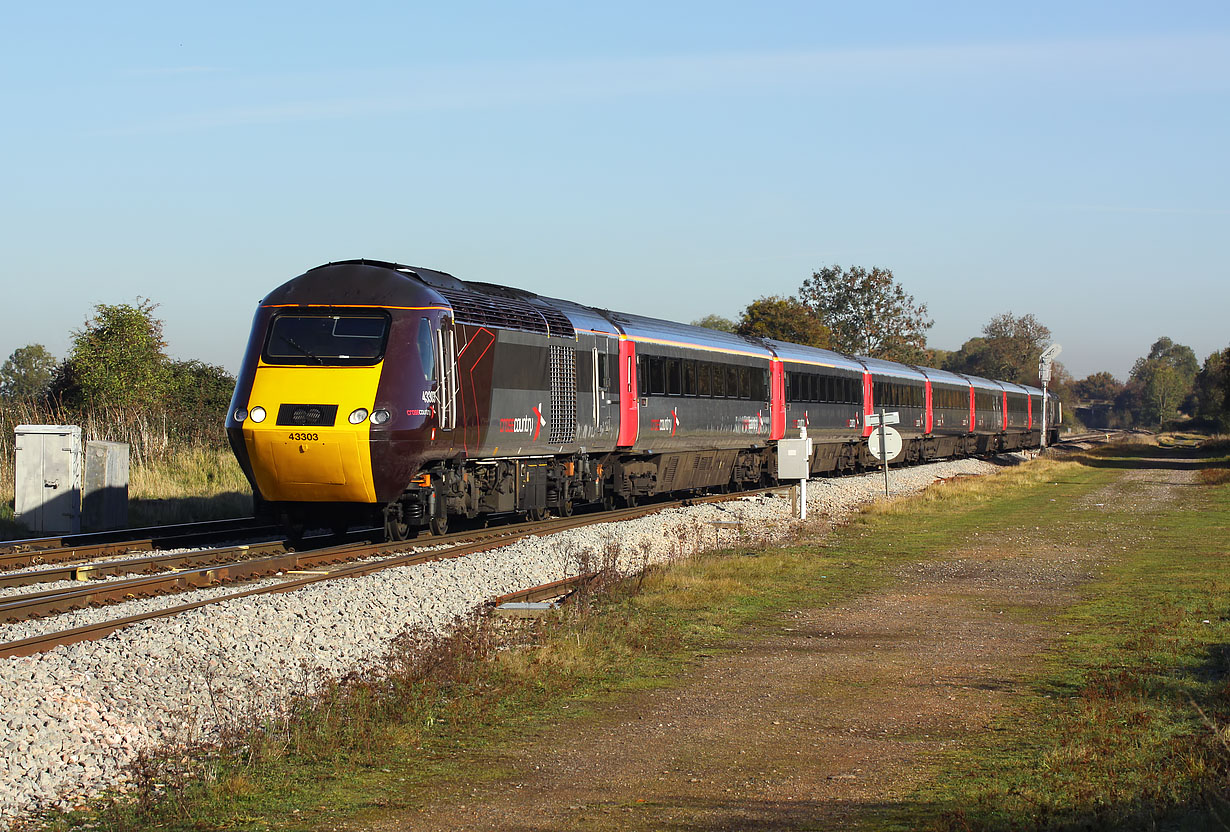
703	373
732	382
657	377
674	379
719	381
689	378
745	383
761	382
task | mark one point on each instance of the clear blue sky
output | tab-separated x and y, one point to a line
1064	159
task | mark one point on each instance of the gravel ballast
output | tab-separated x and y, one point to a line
74	717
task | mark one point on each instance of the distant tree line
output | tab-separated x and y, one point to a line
861	311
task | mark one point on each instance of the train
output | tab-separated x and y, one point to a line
381	394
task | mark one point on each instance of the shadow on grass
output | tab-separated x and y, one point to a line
689	814
143	513
1146	457
163	512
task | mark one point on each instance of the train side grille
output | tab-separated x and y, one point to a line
307	415
563	425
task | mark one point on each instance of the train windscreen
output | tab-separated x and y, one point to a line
326	340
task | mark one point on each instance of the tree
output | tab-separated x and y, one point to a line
1008	350
867	312
116	358
1165	376
27	373
1098	387
195	385
1211	388
785	319
716	322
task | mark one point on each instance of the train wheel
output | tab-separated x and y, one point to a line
608	502
537	515
439	525
294	534
565	508
629	501
395	530
294	529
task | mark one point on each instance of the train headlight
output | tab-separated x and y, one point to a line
358	415
240	415
257	414
379	417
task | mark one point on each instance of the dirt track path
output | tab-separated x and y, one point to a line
812	719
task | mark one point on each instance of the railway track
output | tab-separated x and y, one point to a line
1097	437
17	554
235	564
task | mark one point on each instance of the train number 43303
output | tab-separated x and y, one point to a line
305	437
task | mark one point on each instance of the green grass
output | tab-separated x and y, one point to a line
419	731
1127	723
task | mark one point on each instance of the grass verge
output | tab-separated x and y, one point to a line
1127	723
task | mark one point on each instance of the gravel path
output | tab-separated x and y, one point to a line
73	718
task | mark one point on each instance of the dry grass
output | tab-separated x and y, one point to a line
180	466
978	490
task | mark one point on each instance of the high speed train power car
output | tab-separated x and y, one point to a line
372	392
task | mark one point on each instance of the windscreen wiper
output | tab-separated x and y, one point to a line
302	349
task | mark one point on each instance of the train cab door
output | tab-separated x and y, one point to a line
606	398
446	365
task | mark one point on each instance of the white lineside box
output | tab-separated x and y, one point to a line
47	479
104	492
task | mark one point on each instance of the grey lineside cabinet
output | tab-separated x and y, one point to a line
60	489
47	495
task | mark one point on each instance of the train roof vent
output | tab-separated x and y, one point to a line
507	313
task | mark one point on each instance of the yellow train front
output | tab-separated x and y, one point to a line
325	435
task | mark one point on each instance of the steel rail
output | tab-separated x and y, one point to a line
130	566
78	552
499	538
119	535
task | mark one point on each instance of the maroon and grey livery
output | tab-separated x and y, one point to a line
410	396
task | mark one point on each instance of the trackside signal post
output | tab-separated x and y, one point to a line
885	443
1044	375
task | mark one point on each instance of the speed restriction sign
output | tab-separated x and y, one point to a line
892	443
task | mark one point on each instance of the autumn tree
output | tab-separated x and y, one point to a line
1210	387
198	386
1098	387
785	319
867	312
1008	350
1165	377
716	322
116	358
27	373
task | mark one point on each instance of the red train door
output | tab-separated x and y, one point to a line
629	409
869	404
777	399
